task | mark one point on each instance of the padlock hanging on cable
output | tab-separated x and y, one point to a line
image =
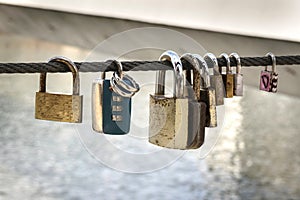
269	79
207	94
197	108
169	117
238	76
216	81
227	77
111	102
59	107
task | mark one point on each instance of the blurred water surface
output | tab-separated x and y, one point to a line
256	157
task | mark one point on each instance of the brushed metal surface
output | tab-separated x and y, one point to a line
58	107
97	114
168	122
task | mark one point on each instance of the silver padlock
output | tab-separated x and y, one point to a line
216	80
238	76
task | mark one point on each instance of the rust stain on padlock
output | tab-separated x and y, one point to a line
228	80
208	96
168	122
162	120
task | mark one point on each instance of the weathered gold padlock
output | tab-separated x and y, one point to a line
197	109
228	78
168	120
59	107
216	80
207	94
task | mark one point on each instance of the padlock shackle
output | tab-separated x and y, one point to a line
273	59
190	58
73	69
212	62
238	61
172	57
228	67
204	70
119	69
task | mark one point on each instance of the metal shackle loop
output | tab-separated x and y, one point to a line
72	67
122	83
212	62
103	75
238	62
172	57
273	58
205	71
119	68
228	67
192	60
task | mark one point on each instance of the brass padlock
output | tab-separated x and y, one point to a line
238	76
216	81
168	120
228	77
59	107
207	94
197	109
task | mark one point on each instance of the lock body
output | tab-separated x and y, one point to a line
208	97
217	83
197	113
265	80
228	81
111	113
169	120
238	84
175	120
268	81
197	121
58	107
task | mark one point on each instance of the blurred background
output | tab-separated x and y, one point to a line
255	156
